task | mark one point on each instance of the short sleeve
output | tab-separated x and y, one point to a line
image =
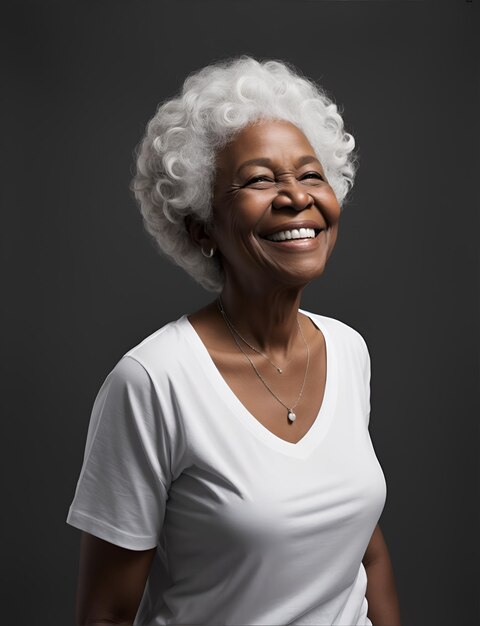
123	484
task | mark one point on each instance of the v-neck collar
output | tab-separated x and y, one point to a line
320	426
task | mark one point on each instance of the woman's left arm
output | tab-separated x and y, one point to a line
383	605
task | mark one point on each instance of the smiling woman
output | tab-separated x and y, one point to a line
273	195
177	160
229	476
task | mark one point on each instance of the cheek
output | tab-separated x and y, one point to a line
331	207
333	234
332	239
249	209
233	229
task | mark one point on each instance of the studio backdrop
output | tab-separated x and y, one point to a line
84	282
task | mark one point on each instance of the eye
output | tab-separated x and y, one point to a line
261	181
312	175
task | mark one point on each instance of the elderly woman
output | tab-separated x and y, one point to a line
229	476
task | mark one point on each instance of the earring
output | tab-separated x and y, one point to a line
208	256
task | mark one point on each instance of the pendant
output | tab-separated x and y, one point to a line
291	415
280	371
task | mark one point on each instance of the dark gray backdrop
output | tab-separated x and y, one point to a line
84	284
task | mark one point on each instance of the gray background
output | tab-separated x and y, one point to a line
84	283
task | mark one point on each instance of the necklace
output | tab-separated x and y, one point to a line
232	327
290	414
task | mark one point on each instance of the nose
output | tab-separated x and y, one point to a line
292	194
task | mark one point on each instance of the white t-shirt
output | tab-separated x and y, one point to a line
249	528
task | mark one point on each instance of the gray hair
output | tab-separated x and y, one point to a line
176	157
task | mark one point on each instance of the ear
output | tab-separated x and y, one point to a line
199	233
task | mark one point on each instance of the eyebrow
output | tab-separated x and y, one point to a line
267	162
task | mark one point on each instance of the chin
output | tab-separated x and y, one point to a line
301	276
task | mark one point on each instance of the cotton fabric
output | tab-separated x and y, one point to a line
249	528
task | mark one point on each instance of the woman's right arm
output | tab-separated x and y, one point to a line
111	582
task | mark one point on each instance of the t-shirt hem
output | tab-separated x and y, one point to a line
109	533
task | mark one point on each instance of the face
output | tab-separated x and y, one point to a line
275	217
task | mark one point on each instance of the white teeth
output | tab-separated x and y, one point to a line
302	233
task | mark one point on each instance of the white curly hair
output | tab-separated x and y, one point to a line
176	157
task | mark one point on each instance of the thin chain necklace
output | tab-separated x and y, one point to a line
232	327
290	414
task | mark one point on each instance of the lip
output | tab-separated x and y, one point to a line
290	226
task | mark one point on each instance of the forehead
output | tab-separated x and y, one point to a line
277	140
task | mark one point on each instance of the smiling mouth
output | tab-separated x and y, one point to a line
294	234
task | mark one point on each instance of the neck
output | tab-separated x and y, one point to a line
267	319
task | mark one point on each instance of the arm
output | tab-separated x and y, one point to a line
383	605
111	582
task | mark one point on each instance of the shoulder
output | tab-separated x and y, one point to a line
160	350
147	367
341	333
139	384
